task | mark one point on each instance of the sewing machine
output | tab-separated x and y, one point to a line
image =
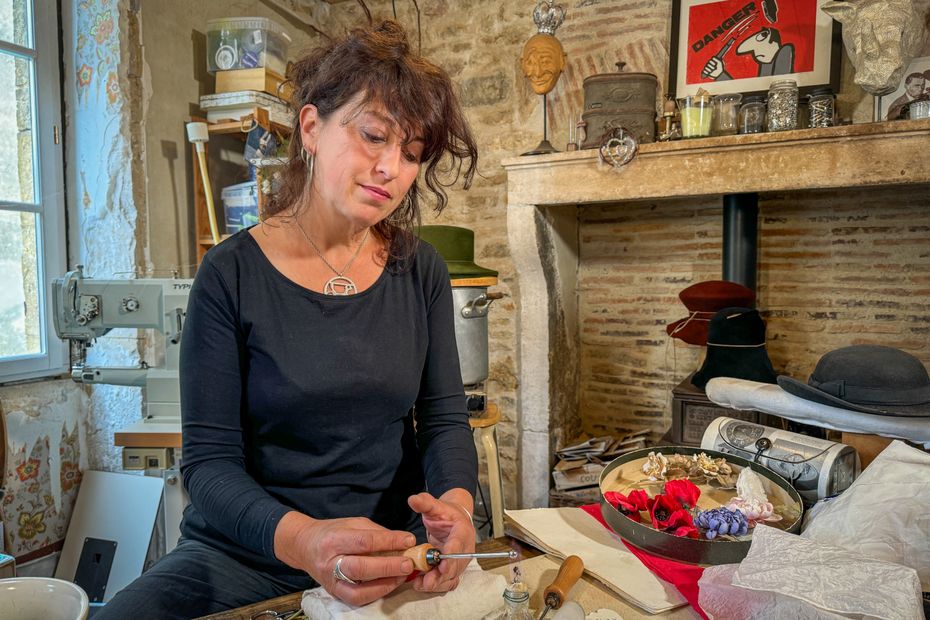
87	309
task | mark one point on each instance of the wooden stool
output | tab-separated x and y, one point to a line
484	426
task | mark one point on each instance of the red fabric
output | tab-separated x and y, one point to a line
681	575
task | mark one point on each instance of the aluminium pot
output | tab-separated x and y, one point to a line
471	305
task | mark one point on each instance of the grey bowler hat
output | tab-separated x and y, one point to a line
867	378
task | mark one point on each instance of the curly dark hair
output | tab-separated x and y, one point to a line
378	64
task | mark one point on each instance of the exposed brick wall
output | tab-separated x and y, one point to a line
835	268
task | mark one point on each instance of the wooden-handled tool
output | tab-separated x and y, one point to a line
426	556
557	592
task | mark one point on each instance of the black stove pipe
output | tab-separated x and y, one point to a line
740	238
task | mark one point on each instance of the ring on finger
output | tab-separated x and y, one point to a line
339	575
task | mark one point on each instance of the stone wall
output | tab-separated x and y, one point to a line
636	257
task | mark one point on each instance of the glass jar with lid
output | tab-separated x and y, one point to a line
752	115
783	105
726	108
822	107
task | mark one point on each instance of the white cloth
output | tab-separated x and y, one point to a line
770	398
787	576
479	595
885	514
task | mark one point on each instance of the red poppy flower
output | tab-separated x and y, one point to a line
624	504
663	508
683	491
640	499
686	531
679	518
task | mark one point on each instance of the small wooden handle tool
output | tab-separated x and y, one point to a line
567	577
426	556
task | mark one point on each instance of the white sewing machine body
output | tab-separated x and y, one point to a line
87	309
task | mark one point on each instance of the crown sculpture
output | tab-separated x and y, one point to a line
548	17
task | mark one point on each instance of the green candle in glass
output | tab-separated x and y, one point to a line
696	115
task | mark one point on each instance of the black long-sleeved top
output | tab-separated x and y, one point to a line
291	399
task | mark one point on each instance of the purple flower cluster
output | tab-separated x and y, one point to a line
722	521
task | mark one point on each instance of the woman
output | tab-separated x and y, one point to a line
309	343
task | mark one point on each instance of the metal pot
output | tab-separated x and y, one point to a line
471	305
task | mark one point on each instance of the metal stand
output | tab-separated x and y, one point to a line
740	238
544	147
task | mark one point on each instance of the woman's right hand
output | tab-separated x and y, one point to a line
315	545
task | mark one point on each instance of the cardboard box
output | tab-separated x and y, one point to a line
583	475
262	80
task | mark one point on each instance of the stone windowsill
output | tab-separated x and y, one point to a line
861	155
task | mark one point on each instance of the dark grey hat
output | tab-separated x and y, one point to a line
867	378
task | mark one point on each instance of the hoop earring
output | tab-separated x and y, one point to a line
307	158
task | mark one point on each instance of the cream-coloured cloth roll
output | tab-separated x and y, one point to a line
479	595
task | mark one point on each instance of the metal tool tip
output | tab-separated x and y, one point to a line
513	554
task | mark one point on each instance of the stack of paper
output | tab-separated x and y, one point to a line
581	463
570	531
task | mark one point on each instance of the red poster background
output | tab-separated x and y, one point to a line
796	22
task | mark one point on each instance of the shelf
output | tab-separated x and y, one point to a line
240	129
208	240
243	126
871	154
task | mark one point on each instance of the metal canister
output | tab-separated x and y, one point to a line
470	298
471	305
619	99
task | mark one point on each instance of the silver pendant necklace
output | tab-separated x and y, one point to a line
338	284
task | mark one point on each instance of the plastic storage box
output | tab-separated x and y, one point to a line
246	43
240	203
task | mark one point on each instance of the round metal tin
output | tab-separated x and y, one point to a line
695	551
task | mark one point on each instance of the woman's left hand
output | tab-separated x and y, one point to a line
450	529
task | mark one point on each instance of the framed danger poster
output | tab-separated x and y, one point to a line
741	46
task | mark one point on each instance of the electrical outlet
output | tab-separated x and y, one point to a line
146	458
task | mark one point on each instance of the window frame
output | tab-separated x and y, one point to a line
49	147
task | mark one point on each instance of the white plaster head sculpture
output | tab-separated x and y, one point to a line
881	38
543	58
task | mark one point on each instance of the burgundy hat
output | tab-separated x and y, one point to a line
704	299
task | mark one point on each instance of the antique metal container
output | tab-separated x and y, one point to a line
619	100
693	550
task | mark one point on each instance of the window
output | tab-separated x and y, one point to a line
32	245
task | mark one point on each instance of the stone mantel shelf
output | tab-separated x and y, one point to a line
869	154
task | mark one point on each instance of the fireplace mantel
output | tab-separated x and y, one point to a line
543	240
862	155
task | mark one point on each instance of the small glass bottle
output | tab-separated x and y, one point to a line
752	115
783	105
517	602
726	108
823	107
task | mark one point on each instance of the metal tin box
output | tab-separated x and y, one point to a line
619	100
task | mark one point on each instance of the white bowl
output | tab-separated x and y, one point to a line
42	598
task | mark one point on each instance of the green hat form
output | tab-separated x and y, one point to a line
456	245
